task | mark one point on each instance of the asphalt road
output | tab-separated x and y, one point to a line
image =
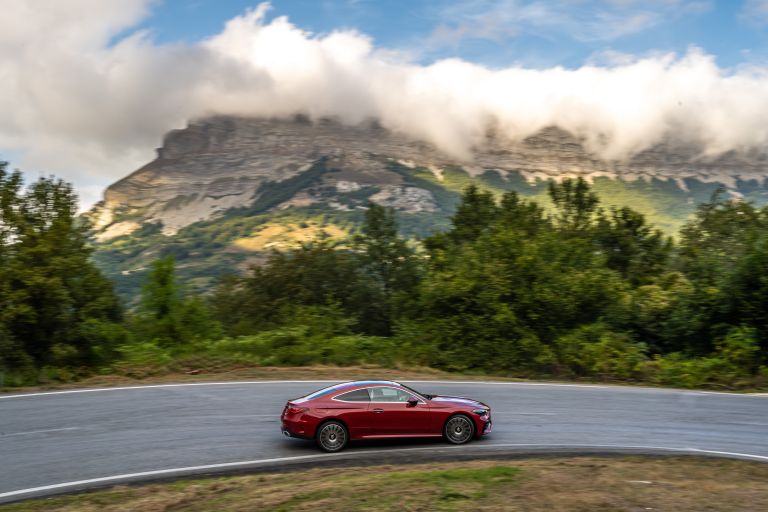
59	442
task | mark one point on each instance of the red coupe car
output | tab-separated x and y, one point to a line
382	409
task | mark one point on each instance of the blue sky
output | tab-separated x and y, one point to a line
501	33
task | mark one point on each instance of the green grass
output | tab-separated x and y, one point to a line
457	487
682	484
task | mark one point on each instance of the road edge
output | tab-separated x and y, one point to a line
356	458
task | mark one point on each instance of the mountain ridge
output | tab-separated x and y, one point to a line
219	163
225	190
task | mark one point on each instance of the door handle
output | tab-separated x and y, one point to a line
378	410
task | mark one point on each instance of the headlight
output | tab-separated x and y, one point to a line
480	412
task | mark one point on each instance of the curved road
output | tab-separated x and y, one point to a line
69	440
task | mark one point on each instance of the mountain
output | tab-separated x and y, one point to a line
224	191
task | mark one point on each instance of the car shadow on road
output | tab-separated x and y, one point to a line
303	446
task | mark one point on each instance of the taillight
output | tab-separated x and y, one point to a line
294	409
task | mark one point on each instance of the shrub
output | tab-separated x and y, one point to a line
143	359
297	346
595	351
677	370
741	350
734	364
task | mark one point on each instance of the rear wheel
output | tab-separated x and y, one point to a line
332	436
459	429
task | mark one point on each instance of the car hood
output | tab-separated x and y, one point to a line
458	400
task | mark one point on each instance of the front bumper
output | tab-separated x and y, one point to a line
487	425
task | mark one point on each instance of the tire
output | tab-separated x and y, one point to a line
459	429
332	436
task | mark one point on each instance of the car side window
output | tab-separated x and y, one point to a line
384	394
358	395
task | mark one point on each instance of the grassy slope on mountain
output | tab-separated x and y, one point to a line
663	203
208	249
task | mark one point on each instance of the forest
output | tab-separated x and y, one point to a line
577	291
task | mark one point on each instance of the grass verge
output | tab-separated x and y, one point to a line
571	484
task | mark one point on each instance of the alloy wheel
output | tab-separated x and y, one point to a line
332	437
459	430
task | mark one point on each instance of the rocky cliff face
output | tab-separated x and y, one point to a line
221	163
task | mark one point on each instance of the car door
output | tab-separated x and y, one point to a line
391	414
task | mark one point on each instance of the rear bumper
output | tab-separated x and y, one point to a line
288	433
298	429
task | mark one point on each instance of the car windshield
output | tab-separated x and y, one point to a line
422	395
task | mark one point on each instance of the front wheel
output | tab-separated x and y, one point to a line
332	436
459	429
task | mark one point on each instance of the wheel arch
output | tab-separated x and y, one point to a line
458	413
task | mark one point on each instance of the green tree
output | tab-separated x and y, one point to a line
498	302
388	268
12	354
523	216
160	306
475	213
165	317
576	206
318	273
58	309
633	248
714	255
719	235
746	293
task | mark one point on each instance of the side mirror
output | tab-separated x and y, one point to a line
412	401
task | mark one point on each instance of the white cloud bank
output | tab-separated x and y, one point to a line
75	102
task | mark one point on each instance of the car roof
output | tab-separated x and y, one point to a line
346	386
369	383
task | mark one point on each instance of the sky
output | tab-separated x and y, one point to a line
89	87
502	33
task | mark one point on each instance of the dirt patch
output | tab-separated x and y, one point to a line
226	373
679	484
317	372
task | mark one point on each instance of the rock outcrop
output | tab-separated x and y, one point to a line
220	163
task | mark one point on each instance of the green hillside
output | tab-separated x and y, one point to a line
244	236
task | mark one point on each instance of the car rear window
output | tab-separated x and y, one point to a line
358	395
325	391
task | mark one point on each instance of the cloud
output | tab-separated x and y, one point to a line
79	99
755	11
581	20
